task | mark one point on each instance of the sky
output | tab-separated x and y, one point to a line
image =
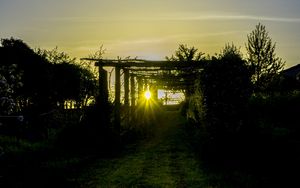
150	29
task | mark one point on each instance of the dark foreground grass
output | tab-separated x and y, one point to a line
164	160
38	164
51	163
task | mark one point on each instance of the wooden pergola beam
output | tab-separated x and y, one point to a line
145	63
117	98
133	68
173	65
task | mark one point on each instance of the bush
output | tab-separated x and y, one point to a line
222	95
277	110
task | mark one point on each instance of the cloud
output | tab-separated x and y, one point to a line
208	17
239	17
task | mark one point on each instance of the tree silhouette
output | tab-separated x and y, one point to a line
54	56
262	57
226	86
187	54
49	77
34	71
69	80
10	82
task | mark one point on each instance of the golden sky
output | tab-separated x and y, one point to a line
149	29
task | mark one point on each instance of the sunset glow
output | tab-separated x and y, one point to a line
149	29
147	95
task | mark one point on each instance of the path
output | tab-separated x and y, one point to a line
164	160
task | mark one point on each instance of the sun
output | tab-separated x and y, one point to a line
147	94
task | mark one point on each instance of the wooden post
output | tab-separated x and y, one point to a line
126	87
103	90
154	92
132	90
117	114
126	94
140	88
132	96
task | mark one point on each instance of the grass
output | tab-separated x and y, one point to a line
164	160
26	163
15	146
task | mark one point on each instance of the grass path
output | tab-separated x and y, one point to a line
164	160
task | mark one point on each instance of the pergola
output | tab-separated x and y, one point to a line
142	71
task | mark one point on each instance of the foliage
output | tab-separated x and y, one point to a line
71	81
244	132
36	85
278	110
50	77
285	84
54	56
10	82
196	110
262	58
186	54
226	88
35	73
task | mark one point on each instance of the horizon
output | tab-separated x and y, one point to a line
150	30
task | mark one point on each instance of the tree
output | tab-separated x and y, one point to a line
54	56
10	81
35	74
70	80
225	87
185	54
48	77
262	58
